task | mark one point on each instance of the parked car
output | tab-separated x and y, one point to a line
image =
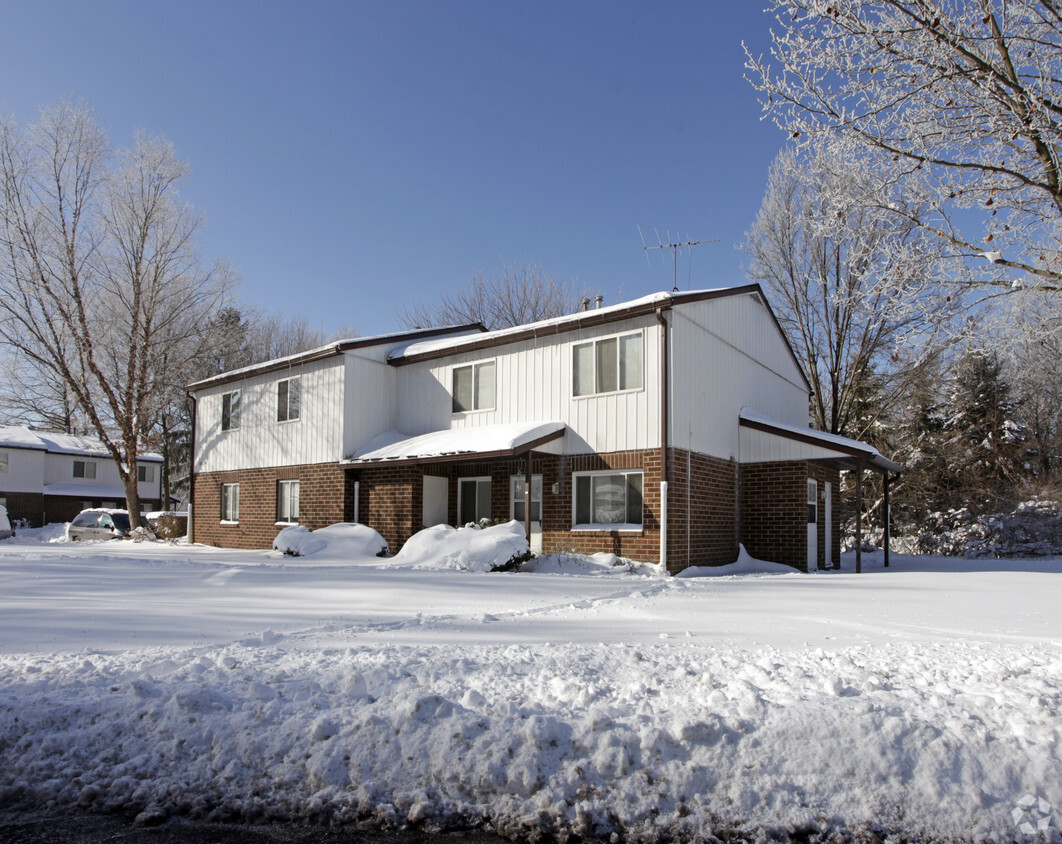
99	524
5	524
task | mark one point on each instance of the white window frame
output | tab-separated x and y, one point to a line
611	526
230	503
479	479
88	470
285	488
3	461
476	404
516	493
145	473
622	377
227	401
291	410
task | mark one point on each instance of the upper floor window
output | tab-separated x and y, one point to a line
145	473
3	461
474	387
230	411
84	469
608	365
289	396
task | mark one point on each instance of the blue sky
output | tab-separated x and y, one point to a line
352	157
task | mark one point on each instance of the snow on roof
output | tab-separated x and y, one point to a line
396	446
554	325
835	441
15	436
330	349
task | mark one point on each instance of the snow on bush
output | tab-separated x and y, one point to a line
1033	529
464	549
345	540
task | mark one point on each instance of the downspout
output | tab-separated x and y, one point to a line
191	473
664	401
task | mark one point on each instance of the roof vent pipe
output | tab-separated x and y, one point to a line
598	299
585	303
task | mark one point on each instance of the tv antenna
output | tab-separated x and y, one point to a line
674	247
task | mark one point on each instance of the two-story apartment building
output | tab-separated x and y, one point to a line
47	477
667	428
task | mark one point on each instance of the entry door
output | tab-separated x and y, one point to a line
435	500
827	524
813	525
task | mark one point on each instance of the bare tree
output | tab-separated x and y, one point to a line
967	96
851	282
513	295
101	286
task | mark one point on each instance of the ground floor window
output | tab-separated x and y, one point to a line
473	500
230	502
288	502
516	498
608	499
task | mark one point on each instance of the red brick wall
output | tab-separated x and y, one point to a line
392	502
323	500
703	499
26	505
702	510
774	511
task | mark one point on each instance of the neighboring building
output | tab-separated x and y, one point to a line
667	428
46	477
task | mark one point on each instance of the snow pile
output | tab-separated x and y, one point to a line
468	548
916	703
594	564
342	541
744	564
1034	529
650	742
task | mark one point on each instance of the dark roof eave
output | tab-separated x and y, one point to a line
587	319
327	352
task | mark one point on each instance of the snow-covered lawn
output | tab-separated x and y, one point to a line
924	700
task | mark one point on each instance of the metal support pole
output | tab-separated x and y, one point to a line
888	518
859	519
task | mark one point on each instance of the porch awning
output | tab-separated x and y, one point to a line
456	444
764	439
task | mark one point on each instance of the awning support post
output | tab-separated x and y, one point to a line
859	518
888	518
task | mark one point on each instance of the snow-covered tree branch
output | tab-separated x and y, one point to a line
852	281
513	295
964	94
101	286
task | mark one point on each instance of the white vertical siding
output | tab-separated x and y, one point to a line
534	383
260	441
25	470
728	353
368	397
763	447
